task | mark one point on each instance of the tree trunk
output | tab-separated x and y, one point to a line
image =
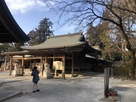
132	52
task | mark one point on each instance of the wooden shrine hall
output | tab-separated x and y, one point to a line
71	50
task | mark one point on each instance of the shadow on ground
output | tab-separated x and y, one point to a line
93	74
121	88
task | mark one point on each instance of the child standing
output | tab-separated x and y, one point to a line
35	74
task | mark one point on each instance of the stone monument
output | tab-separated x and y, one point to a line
16	71
47	71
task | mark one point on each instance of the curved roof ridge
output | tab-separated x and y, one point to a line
69	34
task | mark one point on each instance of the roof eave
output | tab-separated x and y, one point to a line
11	25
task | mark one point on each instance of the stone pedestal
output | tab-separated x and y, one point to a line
47	74
16	72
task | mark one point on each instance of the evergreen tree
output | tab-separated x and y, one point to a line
40	34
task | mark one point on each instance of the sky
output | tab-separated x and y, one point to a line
28	14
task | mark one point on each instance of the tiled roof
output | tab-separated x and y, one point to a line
61	41
68	42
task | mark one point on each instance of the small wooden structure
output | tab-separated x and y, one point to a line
70	49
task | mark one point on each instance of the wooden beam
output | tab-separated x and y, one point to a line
26	58
55	57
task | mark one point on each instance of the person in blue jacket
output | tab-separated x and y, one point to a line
35	74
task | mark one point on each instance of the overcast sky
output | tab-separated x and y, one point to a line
28	14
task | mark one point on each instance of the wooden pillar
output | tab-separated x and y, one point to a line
72	67
5	63
106	82
45	59
41	62
30	64
55	71
23	65
41	66
34	63
11	60
63	66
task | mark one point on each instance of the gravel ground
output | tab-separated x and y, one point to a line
79	89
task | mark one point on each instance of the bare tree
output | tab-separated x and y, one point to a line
84	12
